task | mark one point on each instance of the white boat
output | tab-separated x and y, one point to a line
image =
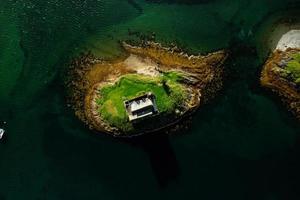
1	133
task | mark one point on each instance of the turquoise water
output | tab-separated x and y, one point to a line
243	145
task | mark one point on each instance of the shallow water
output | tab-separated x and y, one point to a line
243	145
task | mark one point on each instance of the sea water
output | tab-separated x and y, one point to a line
242	145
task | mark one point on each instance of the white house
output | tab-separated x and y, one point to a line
141	107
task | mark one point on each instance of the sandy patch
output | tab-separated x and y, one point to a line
141	65
289	40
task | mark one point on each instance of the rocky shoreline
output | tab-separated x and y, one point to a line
87	74
271	78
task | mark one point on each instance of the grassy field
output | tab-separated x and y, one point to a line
293	67
167	89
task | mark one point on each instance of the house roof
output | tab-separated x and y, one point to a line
140	104
137	108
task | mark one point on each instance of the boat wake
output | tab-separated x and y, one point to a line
1	133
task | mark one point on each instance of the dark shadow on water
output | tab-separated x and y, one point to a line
161	154
75	152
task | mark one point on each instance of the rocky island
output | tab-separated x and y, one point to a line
147	89
281	72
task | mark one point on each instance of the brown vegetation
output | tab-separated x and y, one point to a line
287	90
87	74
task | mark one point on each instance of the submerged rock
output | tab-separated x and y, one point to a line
98	89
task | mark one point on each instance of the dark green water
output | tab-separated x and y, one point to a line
244	145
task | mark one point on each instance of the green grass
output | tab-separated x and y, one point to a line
293	68
167	89
174	76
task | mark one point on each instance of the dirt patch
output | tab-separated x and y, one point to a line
141	65
111	108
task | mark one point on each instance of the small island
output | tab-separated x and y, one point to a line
281	72
149	88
